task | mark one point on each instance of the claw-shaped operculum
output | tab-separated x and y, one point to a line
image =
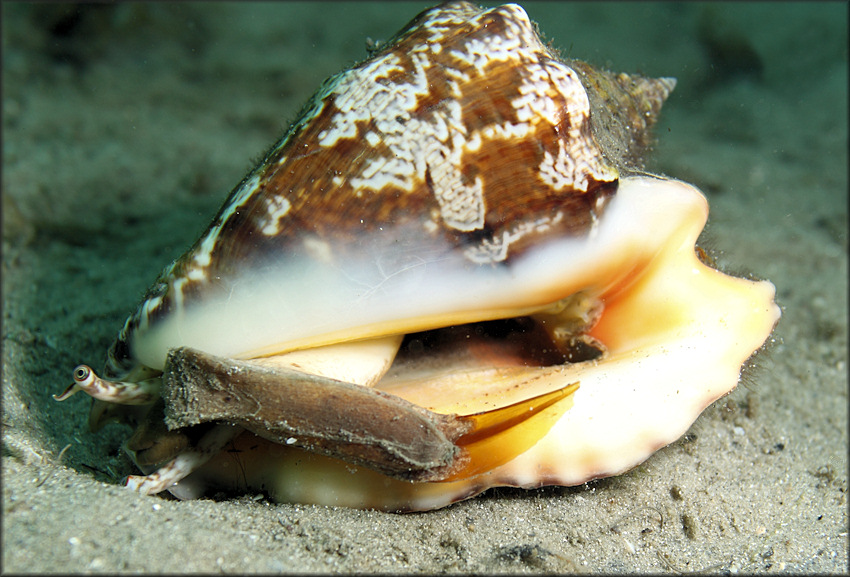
353	423
122	392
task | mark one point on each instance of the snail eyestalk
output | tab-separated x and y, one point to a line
123	393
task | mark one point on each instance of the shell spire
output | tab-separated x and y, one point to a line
624	108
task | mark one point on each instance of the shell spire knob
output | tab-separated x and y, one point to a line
624	108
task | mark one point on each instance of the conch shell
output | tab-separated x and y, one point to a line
450	274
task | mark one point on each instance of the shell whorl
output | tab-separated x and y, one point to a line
463	137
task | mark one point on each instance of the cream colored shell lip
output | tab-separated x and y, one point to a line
462	177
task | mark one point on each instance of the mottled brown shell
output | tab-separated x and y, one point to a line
463	135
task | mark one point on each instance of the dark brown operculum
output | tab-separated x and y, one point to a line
357	424
623	110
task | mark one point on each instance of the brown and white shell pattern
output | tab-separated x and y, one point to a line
464	131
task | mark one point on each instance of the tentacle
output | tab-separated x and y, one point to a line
185	463
124	393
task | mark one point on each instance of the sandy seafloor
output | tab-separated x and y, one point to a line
125	126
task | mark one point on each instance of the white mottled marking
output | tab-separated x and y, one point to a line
177	291
278	207
149	306
372	138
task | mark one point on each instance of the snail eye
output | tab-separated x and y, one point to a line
81	373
